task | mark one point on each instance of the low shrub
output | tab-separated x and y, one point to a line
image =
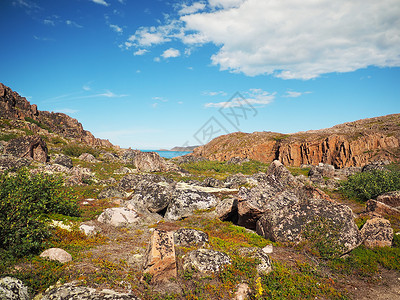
25	202
8	136
76	150
368	185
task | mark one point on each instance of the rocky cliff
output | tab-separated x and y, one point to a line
346	145
15	107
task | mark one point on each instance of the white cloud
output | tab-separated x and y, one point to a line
171	52
116	28
49	22
157	59
190	9
293	94
160	99
148	37
109	94
253	97
102	2
140	52
73	24
209	93
86	88
225	3
301	39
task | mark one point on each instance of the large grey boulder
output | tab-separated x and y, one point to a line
112	192
291	222
391	198
13	289
88	158
63	160
28	147
188	237
9	162
206	260
131	181
149	162
377	232
119	216
186	202
70	291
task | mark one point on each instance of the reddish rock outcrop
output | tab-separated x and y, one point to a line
28	147
347	145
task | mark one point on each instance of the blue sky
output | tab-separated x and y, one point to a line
157	74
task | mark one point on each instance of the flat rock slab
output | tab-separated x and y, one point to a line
160	257
187	237
57	254
183	186
119	216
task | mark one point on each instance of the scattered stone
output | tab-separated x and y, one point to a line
186	203
268	249
236	181
160	260
88	158
287	223
63	160
74	292
237	161
149	162
243	292
57	254
8	162
391	198
187	237
381	208
13	289
112	192
124	170
28	147
188	158
88	229
212	182
109	157
377	232
119	216
205	260
378	165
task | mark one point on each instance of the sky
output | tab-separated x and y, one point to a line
157	74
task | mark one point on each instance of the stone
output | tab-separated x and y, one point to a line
206	260
268	249
63	160
186	202
57	254
377	232
160	259
28	147
119	216
13	289
129	156
187	237
212	182
88	229
381	208
237	161
112	192
131	181
243	292
287	223
227	209
8	162
391	198
377	165
110	157
235	181
74	292
149	162
265	265
88	158
124	170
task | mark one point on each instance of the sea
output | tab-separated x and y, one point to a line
168	154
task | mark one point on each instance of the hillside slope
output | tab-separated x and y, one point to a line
345	145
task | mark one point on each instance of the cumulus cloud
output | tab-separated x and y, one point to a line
148	37
293	94
102	2
116	28
253	97
140	52
171	52
190	9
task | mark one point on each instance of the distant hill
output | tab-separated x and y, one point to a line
188	148
345	145
23	115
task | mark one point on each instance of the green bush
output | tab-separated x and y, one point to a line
76	150
30	120
202	167
7	137
25	202
368	185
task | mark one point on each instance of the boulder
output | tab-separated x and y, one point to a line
227	209
391	198
88	229
88	158
131	181
119	216
377	232
235	181
124	170
149	162
186	202
187	237
13	289
28	147
278	174
237	161
63	160
291	221
8	162
265	265
57	254
160	257
112	192
151	196
128	156
378	165
212	182
381	208
205	260
74	292
243	292
109	157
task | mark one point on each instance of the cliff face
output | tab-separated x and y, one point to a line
15	107
346	145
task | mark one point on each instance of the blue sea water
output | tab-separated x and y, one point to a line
169	154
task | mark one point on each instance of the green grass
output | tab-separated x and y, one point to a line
8	136
76	150
295	171
30	120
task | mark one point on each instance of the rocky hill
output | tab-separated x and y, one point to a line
352	144
13	107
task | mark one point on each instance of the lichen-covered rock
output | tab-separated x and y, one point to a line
187	237
289	223
28	147
8	162
131	181
391	198
235	181
112	192
150	162
129	156
109	157
265	265
57	254
13	289
212	182
206	260
377	165
377	232
160	257
71	291
88	158
381	208
119	216
227	209
63	160
186	202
